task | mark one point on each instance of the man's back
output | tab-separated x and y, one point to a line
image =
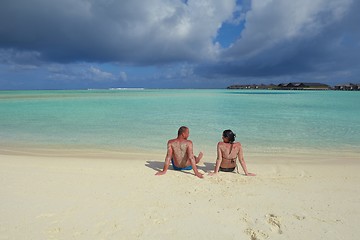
180	150
180	153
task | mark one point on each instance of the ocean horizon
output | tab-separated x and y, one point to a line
142	120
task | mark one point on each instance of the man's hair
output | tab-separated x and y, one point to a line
181	130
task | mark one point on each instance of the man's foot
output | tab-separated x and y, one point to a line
197	159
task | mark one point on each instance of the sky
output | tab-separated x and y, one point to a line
81	44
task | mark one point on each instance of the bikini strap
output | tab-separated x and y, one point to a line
231	147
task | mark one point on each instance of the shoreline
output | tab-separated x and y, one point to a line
296	155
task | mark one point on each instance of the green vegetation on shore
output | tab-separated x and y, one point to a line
298	86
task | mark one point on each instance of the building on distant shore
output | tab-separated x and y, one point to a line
284	86
252	86
303	86
348	87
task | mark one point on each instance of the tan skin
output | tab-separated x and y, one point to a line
181	151
225	159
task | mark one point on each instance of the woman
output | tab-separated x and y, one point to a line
227	152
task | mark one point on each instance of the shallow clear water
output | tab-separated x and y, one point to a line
143	120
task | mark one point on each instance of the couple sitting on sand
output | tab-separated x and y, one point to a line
180	153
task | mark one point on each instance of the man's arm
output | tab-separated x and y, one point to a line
167	160
243	164
191	156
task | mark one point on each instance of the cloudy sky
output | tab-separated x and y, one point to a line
80	44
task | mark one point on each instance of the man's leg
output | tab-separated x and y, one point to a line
198	158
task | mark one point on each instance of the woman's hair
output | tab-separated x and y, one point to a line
229	135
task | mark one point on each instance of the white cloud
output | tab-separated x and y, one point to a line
76	72
96	74
269	22
123	76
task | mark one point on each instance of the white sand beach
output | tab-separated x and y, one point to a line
95	197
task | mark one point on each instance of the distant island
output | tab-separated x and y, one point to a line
298	86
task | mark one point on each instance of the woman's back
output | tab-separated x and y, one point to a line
228	153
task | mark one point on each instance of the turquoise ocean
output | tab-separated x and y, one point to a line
142	120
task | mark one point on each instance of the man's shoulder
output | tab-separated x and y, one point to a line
172	141
175	140
185	141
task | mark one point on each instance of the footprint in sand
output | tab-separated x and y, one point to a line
298	217
155	218
54	230
275	223
256	234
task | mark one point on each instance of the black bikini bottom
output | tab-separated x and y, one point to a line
227	169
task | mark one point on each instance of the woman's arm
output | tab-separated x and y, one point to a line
218	159
242	162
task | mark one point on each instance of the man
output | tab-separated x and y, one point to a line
180	153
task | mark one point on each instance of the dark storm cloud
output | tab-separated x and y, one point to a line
144	32
61	42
